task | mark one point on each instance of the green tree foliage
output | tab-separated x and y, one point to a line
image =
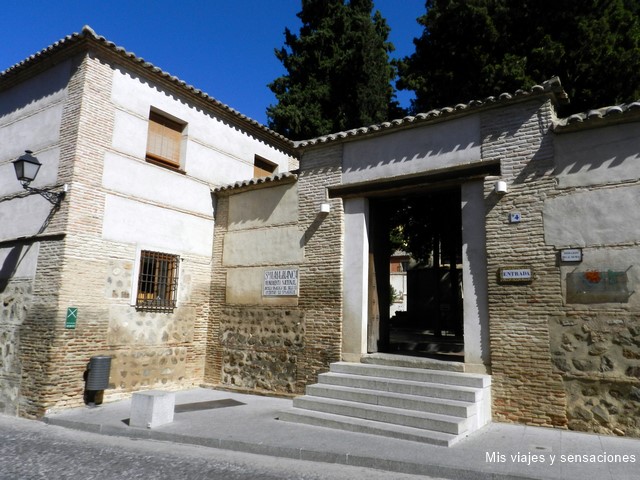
471	49
338	71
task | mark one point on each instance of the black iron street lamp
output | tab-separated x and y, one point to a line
27	167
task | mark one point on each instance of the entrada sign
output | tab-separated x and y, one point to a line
515	274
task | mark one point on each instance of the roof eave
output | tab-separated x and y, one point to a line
87	39
551	89
598	118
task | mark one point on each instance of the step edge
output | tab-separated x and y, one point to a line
460	424
468	406
480	380
389	430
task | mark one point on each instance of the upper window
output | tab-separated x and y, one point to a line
263	167
157	281
164	140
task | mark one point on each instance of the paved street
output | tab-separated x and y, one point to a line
31	450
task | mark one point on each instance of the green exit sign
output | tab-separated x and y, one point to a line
72	317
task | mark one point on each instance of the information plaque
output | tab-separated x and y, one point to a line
280	283
572	255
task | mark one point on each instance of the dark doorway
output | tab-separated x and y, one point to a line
415	281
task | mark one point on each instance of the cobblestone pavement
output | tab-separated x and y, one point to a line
31	450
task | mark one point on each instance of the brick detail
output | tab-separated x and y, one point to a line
213	367
149	349
321	283
526	389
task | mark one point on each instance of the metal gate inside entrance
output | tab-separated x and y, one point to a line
415	280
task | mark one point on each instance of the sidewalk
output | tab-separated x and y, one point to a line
249	423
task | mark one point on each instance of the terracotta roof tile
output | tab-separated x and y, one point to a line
597	116
550	87
276	178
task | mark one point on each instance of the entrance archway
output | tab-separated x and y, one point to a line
415	281
367	324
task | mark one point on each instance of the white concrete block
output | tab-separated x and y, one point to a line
152	408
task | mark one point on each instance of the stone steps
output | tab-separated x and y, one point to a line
358	425
413	374
395	400
395	360
431	406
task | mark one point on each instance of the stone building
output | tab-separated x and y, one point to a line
527	258
130	245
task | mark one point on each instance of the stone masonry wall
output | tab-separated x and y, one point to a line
149	349
15	300
213	364
37	332
595	337
555	362
261	348
526	387
256	343
598	355
282	348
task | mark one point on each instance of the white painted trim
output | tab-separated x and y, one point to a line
356	278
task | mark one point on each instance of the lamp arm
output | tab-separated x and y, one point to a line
54	198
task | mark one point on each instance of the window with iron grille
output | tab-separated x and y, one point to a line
157	281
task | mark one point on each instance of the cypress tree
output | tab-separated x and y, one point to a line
338	71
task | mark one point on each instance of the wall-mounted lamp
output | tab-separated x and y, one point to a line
325	207
500	187
27	167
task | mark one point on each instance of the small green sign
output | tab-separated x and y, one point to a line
72	316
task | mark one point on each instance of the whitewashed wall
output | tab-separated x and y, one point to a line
216	152
163	208
30	119
446	145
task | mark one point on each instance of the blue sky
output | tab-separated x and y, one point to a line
223	47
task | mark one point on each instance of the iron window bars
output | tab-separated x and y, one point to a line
157	281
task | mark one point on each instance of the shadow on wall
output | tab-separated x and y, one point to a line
405	151
36	89
11	263
313	228
615	147
16	255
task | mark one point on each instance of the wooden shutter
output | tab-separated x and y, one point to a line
262	167
163	141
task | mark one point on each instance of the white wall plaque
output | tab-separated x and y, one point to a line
571	255
281	282
515	274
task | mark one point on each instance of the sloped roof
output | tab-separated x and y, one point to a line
276	178
599	116
551	87
89	35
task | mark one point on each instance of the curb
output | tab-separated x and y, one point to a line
437	471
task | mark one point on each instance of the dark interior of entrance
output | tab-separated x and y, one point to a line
415	281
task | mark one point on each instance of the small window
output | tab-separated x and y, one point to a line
263	167
164	140
157	281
